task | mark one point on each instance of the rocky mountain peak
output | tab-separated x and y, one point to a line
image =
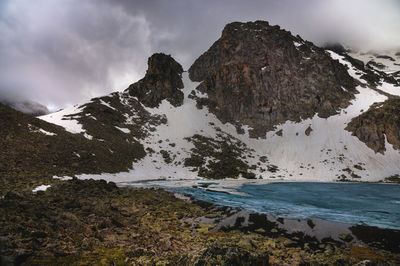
162	81
162	64
261	75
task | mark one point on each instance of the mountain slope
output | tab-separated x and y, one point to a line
32	151
237	120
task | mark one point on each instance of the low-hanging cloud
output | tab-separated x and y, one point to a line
67	51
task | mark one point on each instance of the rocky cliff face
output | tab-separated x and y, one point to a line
162	81
380	122
261	76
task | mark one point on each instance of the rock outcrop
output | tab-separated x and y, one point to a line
261	76
381	122
162	81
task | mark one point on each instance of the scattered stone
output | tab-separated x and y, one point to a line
346	237
308	131
386	57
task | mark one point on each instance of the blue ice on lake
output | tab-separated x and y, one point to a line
354	203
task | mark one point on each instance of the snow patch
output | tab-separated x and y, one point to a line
40	130
108	105
125	130
41	188
60	118
389	88
67	119
64	178
46	132
297	44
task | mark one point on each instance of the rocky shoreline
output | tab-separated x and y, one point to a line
90	222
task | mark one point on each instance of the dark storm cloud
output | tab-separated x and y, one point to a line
66	51
63	52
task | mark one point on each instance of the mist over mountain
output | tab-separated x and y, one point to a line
27	107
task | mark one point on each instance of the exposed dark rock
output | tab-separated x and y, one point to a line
358	167
261	75
310	223
346	237
377	237
225	153
382	120
371	78
373	64
162	81
167	158
393	179
355	62
372	73
335	47
385	57
308	131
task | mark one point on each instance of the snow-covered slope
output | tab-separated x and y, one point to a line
387	61
315	149
66	119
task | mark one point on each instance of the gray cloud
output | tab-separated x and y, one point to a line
67	51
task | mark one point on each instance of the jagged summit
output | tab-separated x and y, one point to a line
261	75
162	81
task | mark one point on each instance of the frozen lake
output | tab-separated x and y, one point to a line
353	203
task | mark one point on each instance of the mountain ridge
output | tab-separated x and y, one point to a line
315	147
164	127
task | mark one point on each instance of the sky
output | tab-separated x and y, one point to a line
63	52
